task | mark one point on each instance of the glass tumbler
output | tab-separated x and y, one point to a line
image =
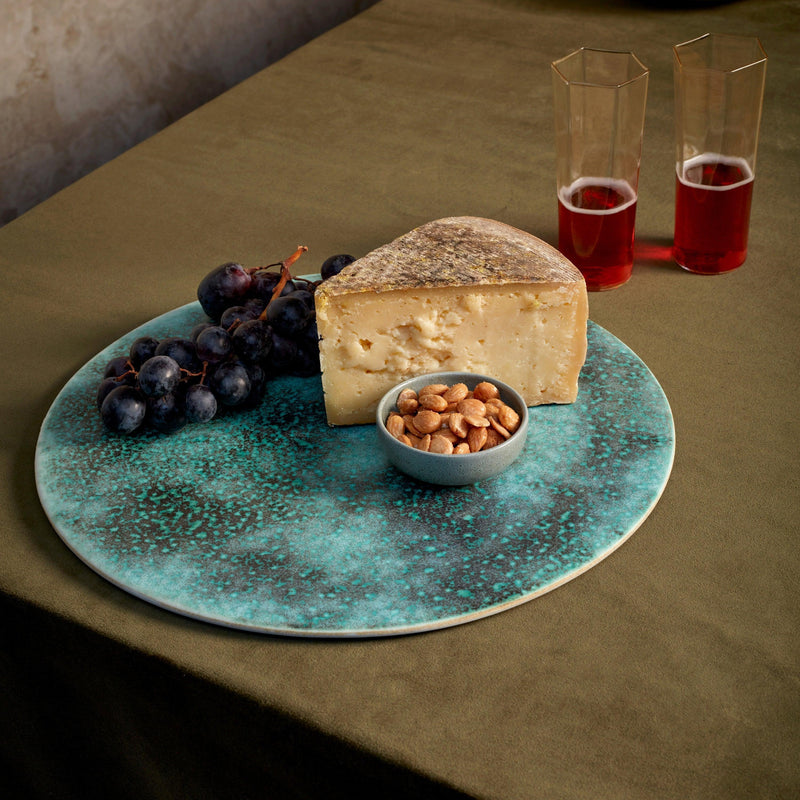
600	98
719	89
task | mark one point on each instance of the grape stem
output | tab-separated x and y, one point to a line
201	374
130	371
285	276
184	373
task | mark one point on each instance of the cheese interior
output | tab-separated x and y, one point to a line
532	336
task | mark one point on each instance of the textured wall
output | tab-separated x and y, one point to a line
83	80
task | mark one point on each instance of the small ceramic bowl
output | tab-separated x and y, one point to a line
451	470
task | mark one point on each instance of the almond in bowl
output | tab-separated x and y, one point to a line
452	428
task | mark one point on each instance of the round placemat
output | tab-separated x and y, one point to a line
269	520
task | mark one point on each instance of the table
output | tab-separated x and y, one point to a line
669	670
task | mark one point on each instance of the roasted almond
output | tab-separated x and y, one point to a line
395	425
435	402
458	391
433	388
457	424
485	391
493	438
493	406
427	421
508	418
407	402
440	444
476	439
408	421
470	406
499	428
424	443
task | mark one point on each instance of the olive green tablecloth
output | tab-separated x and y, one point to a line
669	670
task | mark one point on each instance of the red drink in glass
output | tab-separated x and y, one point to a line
595	230
712	214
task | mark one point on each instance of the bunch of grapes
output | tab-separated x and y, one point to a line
261	324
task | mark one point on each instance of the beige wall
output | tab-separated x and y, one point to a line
83	80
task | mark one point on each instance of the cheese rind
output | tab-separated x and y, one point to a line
456	294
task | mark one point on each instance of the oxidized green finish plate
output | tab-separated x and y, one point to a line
269	520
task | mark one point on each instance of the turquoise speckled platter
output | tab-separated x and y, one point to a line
268	520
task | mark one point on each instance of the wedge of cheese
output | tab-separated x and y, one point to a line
462	293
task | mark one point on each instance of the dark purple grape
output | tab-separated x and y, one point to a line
264	284
258	385
235	315
334	265
158	376
106	386
166	413
252	340
223	287
181	350
255	305
200	404
288	316
198	329
143	348
230	383
123	409
283	352
311	333
214	344
306	361
306	296
117	367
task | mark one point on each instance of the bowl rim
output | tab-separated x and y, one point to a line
386	404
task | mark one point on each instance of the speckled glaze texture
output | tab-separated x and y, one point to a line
269	520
